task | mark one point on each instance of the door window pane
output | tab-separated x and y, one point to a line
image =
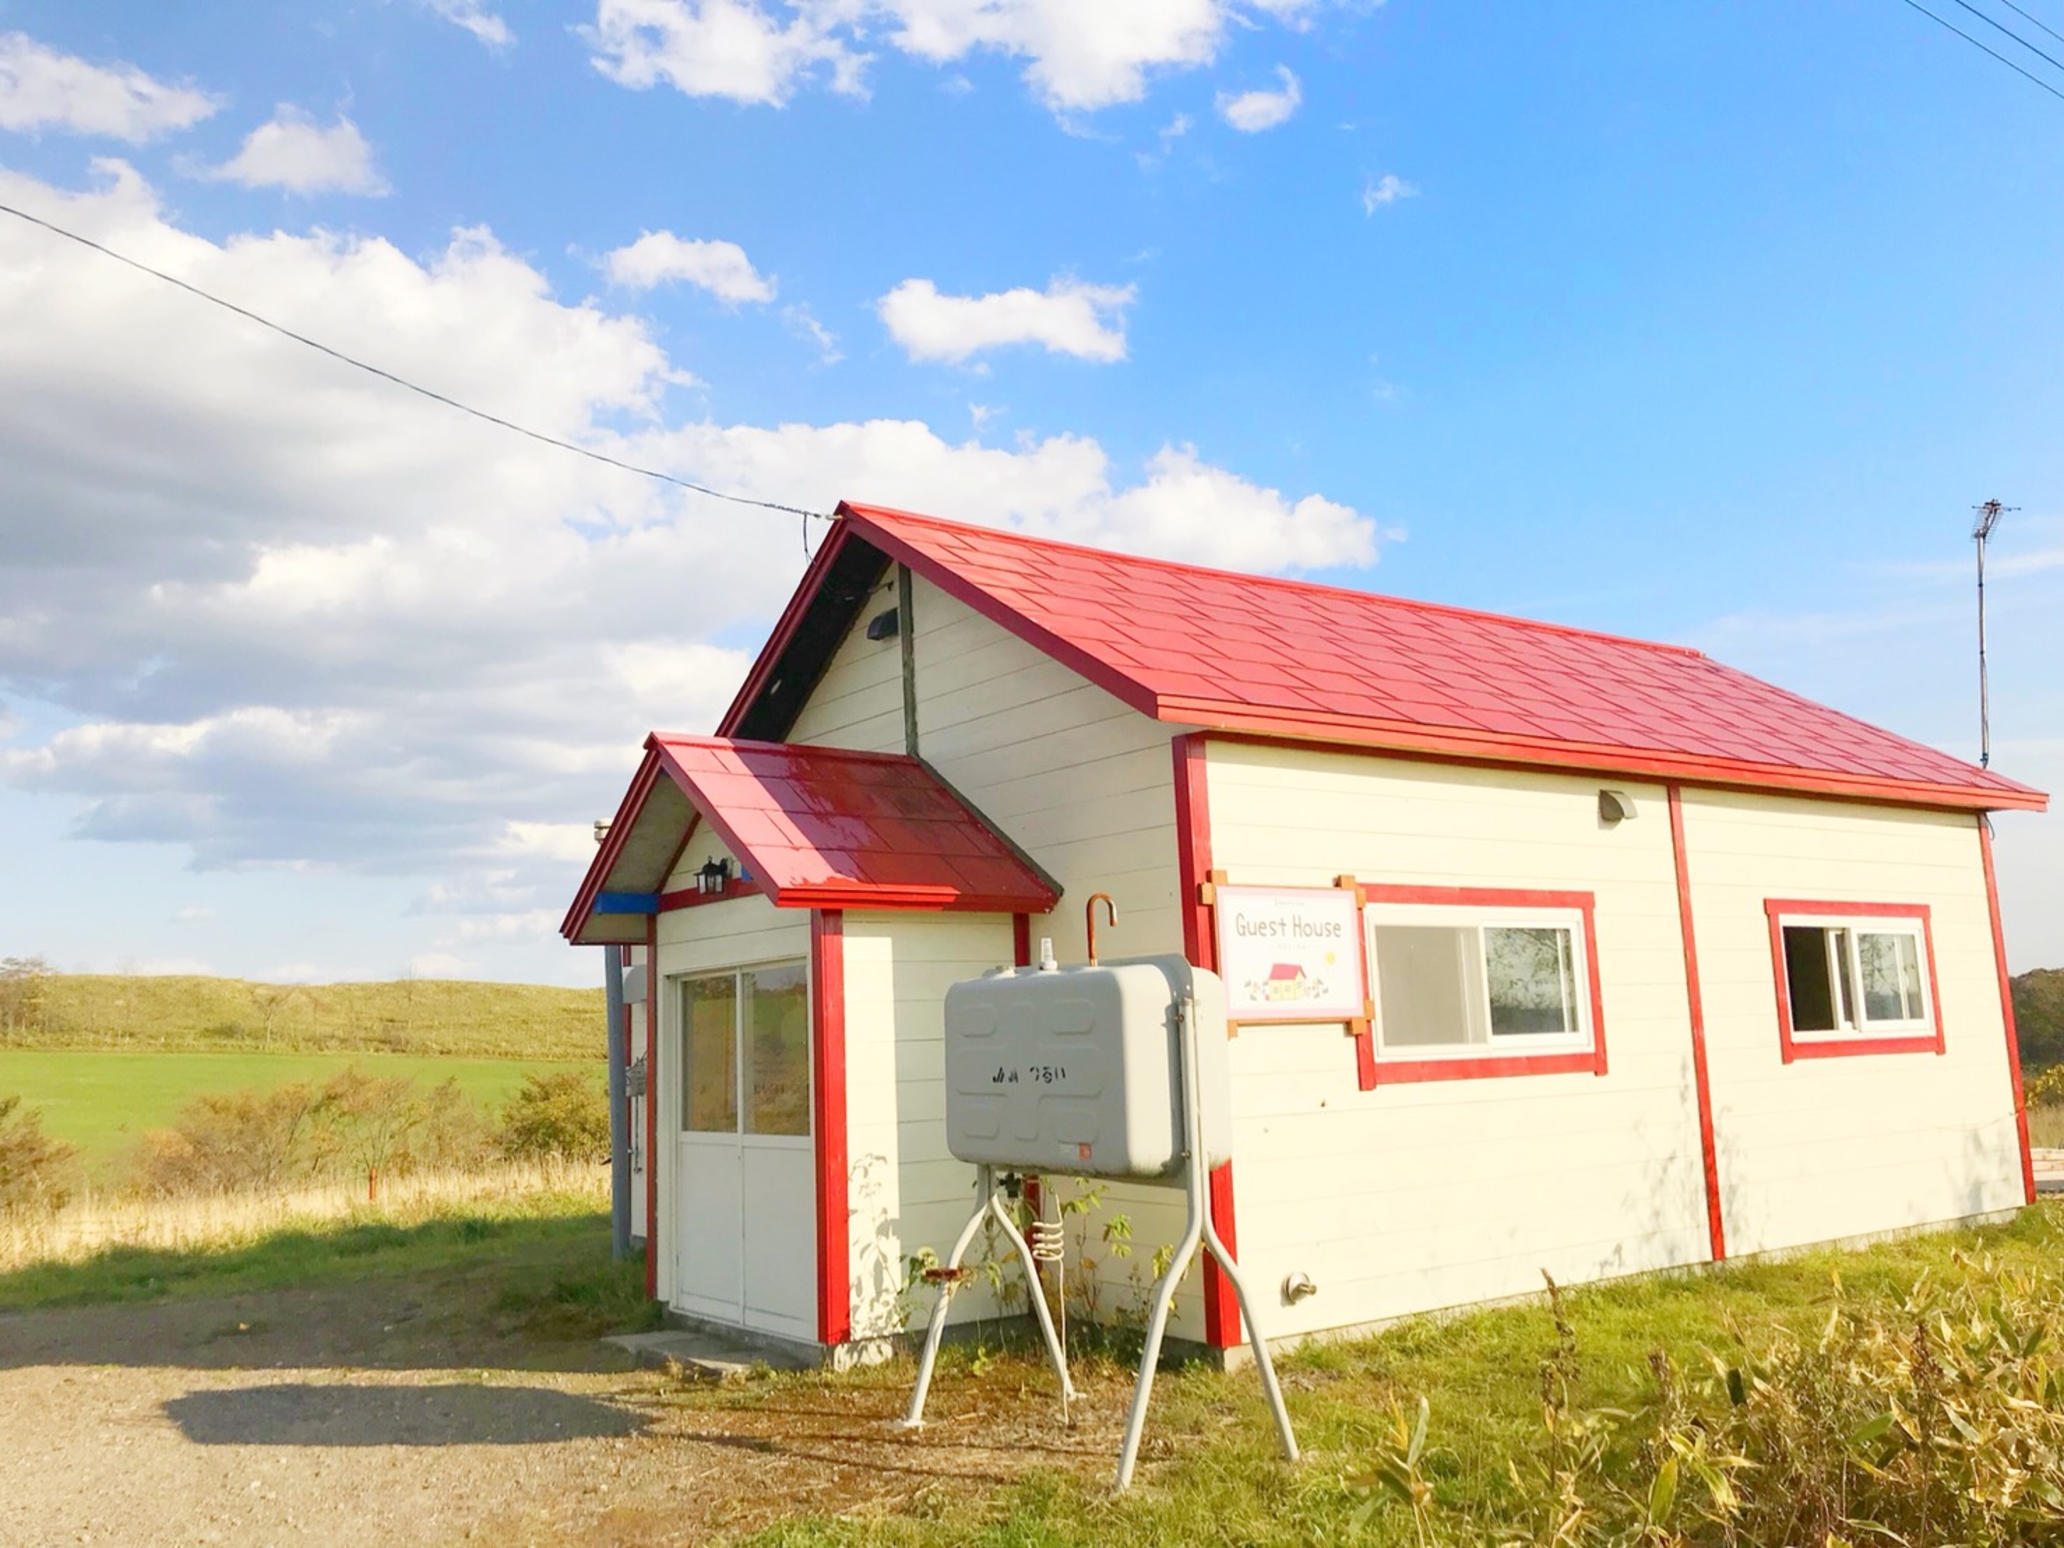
1533	986
777	1051
709	1046
1424	985
1891	971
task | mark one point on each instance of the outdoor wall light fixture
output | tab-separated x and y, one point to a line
885	625
711	880
1614	807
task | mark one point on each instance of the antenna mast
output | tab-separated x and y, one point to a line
1988	517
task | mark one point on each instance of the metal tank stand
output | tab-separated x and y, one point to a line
949	1278
1196	1226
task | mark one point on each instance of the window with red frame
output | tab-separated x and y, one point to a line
1853	979
1498	985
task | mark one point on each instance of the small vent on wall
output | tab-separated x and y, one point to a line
885	625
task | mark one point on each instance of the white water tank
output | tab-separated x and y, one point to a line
1076	1071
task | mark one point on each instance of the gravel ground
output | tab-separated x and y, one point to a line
403	1413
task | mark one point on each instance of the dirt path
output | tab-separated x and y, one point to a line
399	1413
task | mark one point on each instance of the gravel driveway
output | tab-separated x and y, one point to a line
393	1412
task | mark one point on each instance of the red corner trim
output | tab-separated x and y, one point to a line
1390	1072
1193	865
1021	939
1702	1080
2006	989
652	1227
828	1123
1793	1048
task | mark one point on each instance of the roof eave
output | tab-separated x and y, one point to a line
1459	744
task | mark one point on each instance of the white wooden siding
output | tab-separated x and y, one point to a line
1082	782
1417	1196
1833	1147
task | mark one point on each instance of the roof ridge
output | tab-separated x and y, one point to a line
1416	604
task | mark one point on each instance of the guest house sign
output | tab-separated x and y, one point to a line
1291	954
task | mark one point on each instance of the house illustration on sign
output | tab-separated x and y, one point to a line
1663	964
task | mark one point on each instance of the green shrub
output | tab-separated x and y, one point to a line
35	1170
564	1114
2046	1089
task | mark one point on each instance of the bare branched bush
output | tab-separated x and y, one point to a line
24	993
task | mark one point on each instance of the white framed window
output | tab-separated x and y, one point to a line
1853	978
1474	981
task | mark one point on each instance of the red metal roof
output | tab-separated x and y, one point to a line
1288	658
818	827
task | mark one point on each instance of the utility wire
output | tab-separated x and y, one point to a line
402	381
2052	31
2002	58
1999	26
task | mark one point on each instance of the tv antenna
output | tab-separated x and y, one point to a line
1988	517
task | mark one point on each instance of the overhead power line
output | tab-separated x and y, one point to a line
2002	27
1983	48
2052	31
402	381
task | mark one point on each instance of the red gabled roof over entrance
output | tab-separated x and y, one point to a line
1290	659
814	827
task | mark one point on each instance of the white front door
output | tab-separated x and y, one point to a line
745	1173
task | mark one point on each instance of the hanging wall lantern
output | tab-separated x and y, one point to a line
712	879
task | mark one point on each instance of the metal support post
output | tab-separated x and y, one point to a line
1196	1226
989	1207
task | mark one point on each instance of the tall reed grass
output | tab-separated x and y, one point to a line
216	1222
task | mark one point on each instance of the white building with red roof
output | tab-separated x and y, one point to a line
1654	964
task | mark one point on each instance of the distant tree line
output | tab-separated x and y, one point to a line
2039	1017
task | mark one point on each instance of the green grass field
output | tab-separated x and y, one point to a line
405	1016
102	1100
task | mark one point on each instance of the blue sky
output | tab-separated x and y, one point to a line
1706	323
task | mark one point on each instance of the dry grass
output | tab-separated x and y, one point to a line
2046	1127
97	1223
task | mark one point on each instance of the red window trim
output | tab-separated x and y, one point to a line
1816	1045
1379	1071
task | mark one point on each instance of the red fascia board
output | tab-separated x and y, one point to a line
612	844
785	627
1441	744
1100	559
1102	673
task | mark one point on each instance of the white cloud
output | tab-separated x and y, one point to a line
292	617
802	322
1067	318
43	89
718	48
293	152
1250	112
1080	55
659	257
476	18
1387	189
193	913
